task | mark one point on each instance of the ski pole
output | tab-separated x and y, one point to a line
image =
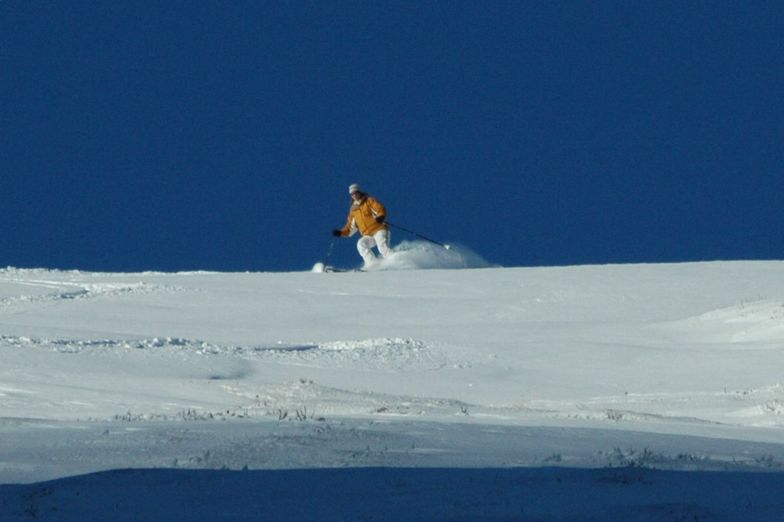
329	252
420	236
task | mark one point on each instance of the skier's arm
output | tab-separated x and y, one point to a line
349	228
378	210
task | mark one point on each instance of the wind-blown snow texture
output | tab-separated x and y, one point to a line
644	392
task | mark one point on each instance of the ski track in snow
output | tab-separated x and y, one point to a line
386	354
57	291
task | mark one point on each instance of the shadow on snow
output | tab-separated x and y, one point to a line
400	493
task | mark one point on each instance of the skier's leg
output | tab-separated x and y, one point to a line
382	242
365	246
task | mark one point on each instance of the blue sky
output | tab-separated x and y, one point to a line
223	135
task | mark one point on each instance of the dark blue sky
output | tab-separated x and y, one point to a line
223	135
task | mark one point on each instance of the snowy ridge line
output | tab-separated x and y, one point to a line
390	354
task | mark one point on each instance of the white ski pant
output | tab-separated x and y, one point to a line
379	240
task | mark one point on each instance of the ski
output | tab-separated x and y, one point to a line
321	268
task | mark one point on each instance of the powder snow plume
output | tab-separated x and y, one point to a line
413	255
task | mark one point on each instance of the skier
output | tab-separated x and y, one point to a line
368	216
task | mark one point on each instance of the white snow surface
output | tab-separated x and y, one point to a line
640	392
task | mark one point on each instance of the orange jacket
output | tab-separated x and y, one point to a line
362	217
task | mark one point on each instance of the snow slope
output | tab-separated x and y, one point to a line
573	392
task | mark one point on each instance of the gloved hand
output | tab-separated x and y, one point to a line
336	233
381	219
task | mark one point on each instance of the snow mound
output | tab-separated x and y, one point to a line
746	322
413	255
